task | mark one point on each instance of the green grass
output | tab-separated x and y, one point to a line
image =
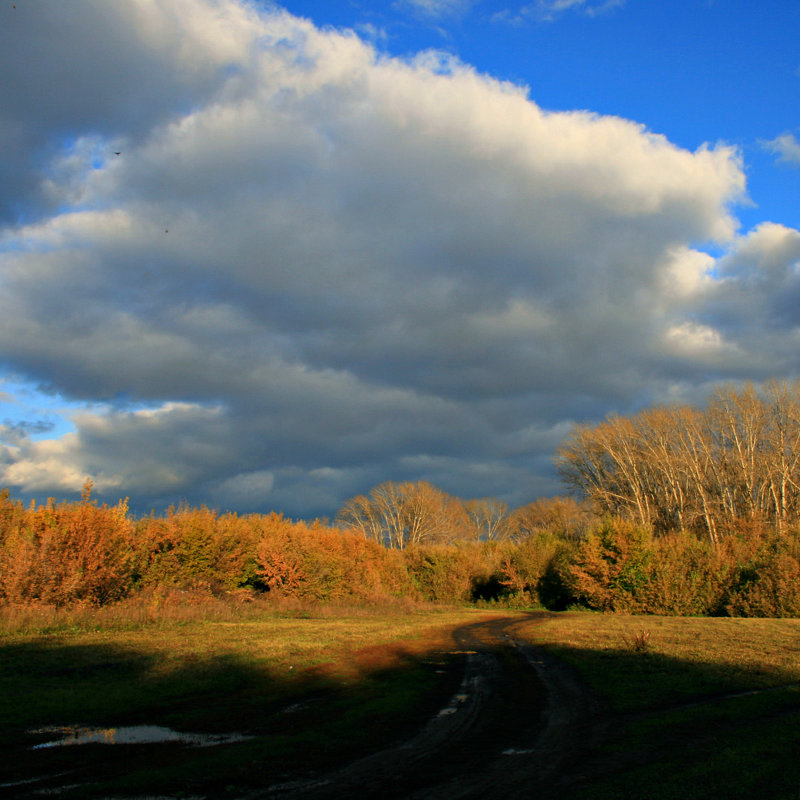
709	708
367	676
675	727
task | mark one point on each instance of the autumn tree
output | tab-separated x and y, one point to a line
702	469
63	553
316	562
403	514
563	517
488	517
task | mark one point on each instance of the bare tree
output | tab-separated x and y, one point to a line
704	469
360	514
563	516
738	419
488	516
783	461
403	514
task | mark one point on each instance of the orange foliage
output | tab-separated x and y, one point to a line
82	553
686	577
765	573
197	548
66	553
322	563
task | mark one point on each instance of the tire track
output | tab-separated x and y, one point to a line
516	719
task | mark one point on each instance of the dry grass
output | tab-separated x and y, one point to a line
165	606
173	628
756	645
673	659
684	713
639	640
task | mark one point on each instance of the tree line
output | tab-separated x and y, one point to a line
83	553
677	510
407	514
703	470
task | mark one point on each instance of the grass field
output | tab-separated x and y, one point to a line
689	707
706	708
311	686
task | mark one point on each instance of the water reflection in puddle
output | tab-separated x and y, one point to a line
135	734
457	700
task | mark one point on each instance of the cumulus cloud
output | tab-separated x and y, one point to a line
150	451
312	267
756	300
107	69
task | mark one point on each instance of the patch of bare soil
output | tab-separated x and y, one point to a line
516	726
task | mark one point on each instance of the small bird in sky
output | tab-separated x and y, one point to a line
116	153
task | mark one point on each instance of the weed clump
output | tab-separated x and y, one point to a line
638	641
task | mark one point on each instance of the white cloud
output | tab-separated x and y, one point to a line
688	272
437	8
548	10
693	340
769	254
752	304
43	466
786	147
151	451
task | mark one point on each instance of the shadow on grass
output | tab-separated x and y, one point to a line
300	720
641	681
695	733
677	728
668	727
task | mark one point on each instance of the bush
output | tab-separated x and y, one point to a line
320	563
81	553
611	567
766	578
450	573
686	576
196	548
534	570
66	553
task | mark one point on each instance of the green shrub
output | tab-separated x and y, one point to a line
766	578
534	570
611	567
451	573
196	548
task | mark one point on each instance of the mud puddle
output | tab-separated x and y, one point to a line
134	734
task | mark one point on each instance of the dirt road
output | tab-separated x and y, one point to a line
516	726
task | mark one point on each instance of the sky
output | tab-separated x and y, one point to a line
264	257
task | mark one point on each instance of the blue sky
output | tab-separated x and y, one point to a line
265	257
